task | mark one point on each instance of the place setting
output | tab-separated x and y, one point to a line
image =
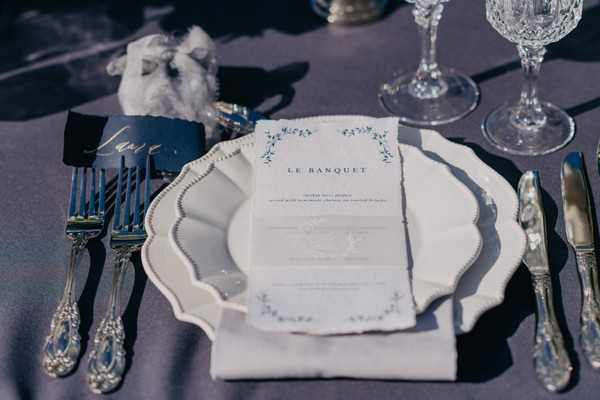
244	237
466	242
353	246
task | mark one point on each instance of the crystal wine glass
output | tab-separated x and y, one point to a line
531	126
432	95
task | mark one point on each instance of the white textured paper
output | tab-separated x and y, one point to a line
328	251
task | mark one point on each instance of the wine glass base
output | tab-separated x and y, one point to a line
460	98
502	133
349	12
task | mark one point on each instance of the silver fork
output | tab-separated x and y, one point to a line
107	359
86	221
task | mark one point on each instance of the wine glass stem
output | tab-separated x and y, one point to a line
528	113
427	82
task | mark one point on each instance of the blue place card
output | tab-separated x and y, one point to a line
101	141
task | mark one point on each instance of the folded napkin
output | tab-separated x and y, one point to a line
425	352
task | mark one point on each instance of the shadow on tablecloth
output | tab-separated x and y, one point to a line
54	55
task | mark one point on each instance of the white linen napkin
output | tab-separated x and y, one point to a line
425	352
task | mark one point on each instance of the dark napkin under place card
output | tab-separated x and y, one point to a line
101	141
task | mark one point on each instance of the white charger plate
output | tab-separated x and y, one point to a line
212	229
480	288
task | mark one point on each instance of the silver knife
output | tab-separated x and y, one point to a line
580	234
551	360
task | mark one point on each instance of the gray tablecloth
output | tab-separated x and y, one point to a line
279	56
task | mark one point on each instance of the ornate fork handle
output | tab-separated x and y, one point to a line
552	364
590	310
107	359
63	343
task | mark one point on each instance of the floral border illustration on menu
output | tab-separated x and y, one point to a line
273	139
267	310
380	138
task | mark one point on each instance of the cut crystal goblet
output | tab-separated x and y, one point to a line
531	126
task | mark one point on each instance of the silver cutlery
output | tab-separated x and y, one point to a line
238	120
84	222
107	358
551	360
580	234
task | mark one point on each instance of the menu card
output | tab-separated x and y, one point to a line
328	244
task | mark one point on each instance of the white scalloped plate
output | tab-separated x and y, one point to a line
480	288
163	267
211	232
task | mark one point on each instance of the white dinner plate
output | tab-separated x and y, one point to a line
163	267
479	289
212	229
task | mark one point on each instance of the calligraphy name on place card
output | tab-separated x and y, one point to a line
113	145
101	141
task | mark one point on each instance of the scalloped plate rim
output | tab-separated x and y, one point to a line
170	295
511	209
184	315
470	229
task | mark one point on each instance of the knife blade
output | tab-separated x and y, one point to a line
580	235
551	360
576	203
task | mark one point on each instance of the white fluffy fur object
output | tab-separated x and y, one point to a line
172	78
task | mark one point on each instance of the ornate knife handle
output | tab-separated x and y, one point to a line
590	310
107	359
552	364
63	343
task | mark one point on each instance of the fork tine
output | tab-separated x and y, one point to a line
102	195
82	192
127	200
117	216
110	191
147	186
92	202
73	193
136	203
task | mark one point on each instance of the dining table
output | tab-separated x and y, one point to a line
281	59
